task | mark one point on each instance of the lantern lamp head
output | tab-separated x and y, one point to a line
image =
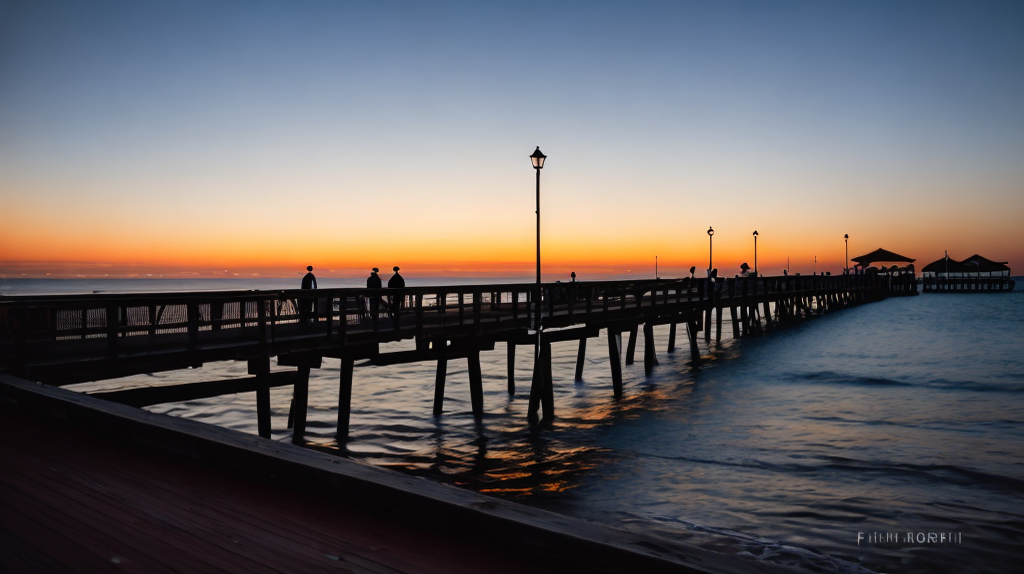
538	158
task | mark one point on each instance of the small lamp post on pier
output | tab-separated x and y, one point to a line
846	238
711	233
755	253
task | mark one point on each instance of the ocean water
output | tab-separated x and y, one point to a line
887	437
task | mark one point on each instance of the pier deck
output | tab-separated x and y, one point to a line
87	485
74	502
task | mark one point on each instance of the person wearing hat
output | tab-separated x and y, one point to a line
396	282
373	282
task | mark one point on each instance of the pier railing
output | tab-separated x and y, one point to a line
967	284
171	330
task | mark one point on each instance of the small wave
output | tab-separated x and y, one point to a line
831	377
935	472
1012	386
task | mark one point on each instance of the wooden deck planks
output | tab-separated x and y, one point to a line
74	502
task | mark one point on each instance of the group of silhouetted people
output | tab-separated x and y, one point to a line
374	282
307	305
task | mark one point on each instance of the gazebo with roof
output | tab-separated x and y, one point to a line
947	275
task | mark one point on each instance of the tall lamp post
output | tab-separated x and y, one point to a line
755	253
711	233
540	391
538	158
846	238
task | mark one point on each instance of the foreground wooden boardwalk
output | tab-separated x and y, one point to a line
92	486
74	502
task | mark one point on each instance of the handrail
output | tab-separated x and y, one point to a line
342	312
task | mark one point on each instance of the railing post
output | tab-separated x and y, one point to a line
112	330
192	309
477	309
262	321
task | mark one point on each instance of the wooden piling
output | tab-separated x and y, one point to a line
261	368
476	391
300	400
708	306
718	325
580	357
542	389
650	357
691	331
672	338
511	365
631	346
615	361
345	397
548	398
439	379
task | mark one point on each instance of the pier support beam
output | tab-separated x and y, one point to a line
691	331
439	378
707	317
650	357
511	363
581	355
345	398
300	403
261	368
542	391
631	346
300	396
476	388
671	338
615	361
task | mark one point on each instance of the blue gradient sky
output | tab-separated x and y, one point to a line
262	136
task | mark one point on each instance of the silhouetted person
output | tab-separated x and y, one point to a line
396	282
309	280
744	269
373	282
573	276
306	304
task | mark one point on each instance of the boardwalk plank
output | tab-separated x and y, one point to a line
73	502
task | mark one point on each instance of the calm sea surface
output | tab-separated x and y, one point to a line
887	437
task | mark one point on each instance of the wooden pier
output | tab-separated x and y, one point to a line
61	340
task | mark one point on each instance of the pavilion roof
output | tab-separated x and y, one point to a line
882	255
973	264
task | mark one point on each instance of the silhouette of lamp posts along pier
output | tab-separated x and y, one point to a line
755	253
541	391
846	238
711	233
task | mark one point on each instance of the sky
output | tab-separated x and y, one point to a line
204	138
